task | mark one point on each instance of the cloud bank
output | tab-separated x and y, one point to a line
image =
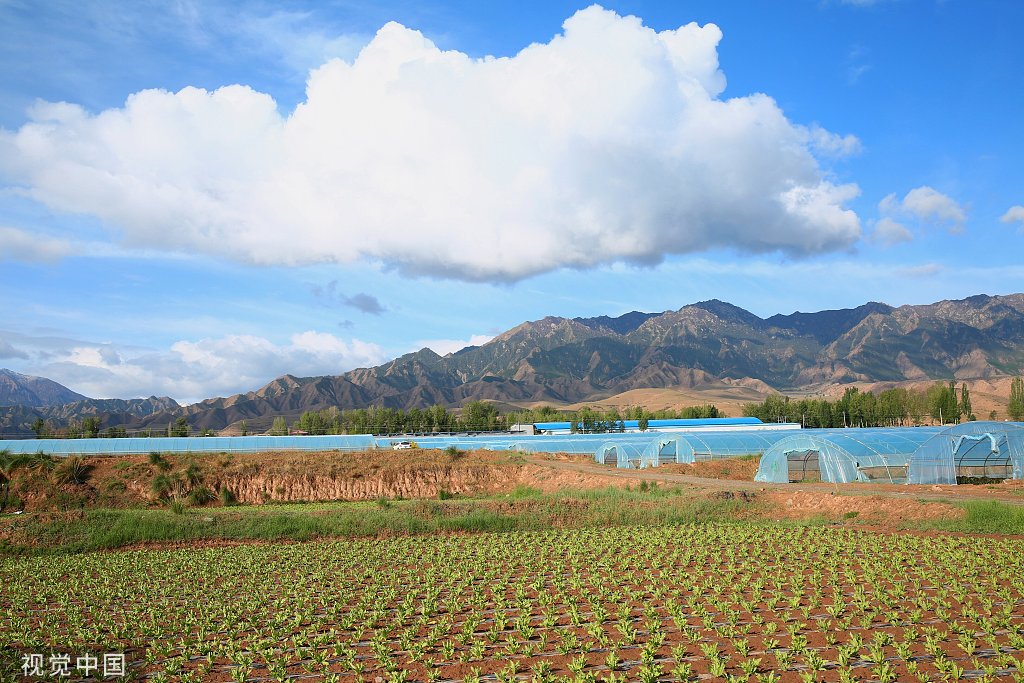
608	143
192	370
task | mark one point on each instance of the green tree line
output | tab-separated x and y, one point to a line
940	403
91	427
475	416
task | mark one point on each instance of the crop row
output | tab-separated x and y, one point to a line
731	602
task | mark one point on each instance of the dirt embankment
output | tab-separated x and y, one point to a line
133	481
379	481
875	510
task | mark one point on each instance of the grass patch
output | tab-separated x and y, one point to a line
524	491
526	509
985	517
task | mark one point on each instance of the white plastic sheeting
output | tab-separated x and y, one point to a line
985	450
844	455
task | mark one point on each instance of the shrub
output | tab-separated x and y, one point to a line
201	496
163	485
159	461
226	497
72	470
193	475
454	452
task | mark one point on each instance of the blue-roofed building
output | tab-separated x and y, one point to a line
676	425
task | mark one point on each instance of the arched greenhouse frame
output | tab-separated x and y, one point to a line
843	455
970	452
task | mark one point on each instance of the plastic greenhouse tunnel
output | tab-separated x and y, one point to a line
190	444
622	452
844	455
975	452
692	447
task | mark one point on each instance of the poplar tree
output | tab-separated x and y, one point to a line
965	403
1016	407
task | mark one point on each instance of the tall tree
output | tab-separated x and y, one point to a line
279	427
965	403
1016	406
40	428
181	427
942	402
91	427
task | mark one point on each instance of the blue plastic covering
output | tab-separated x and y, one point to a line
843	455
691	447
587	444
676	423
629	449
993	450
190	444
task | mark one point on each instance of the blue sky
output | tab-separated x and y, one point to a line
198	197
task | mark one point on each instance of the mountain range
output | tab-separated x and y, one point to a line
17	389
569	360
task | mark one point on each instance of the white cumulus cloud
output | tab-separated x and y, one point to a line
830	144
925	205
889	232
608	143
22	245
1015	214
194	370
928	204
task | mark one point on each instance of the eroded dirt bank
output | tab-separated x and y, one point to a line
132	481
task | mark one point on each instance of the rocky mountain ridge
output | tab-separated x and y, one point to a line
568	360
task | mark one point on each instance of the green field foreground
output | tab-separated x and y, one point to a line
674	602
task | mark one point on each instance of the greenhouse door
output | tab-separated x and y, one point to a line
981	459
804	466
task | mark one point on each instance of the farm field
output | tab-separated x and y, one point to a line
741	602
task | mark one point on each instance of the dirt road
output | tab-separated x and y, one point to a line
944	494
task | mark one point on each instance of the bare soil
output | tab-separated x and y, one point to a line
741	469
874	510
